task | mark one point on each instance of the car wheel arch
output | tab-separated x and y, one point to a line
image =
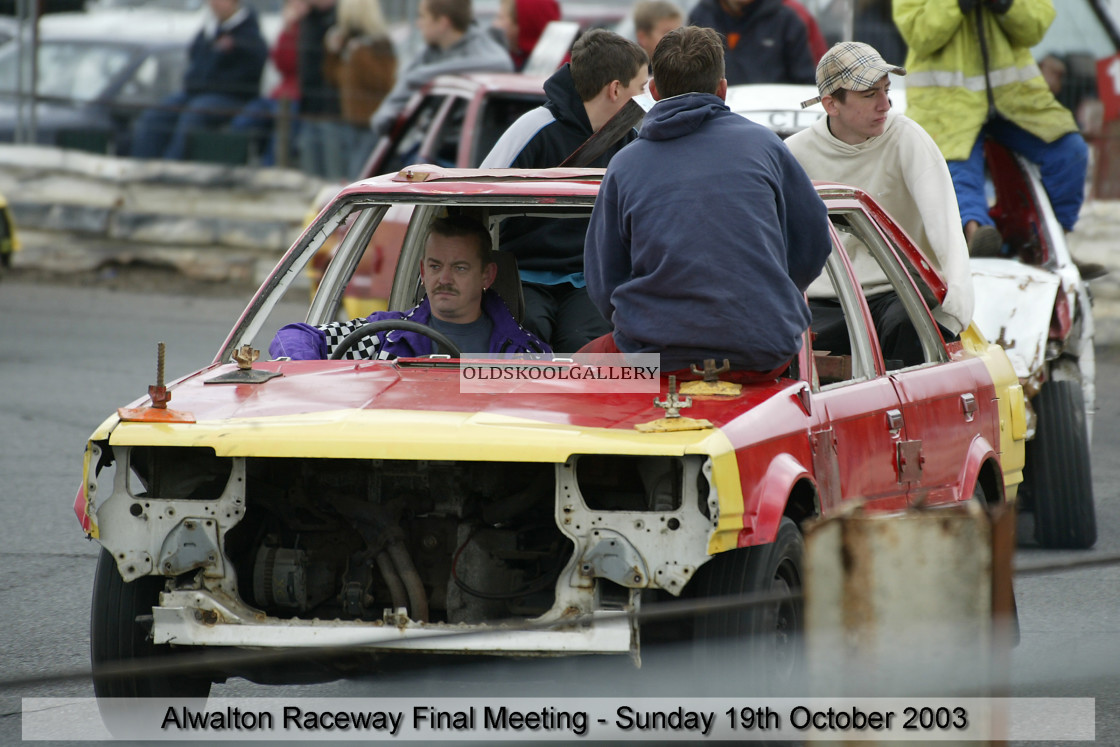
990	479
981	467
786	488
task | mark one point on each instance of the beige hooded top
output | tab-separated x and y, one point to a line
906	174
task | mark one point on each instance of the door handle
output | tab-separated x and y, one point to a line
968	406
894	421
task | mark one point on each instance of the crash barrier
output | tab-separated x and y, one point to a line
965	703
78	211
660	612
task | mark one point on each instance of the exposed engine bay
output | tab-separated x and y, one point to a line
419	540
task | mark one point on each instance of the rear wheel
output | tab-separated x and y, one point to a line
1057	472
120	631
762	641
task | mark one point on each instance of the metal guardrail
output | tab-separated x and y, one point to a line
658	612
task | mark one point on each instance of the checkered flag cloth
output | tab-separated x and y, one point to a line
364	349
854	66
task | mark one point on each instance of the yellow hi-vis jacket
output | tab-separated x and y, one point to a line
947	84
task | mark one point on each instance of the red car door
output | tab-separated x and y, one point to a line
944	398
855	440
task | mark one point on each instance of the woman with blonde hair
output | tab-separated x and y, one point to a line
361	63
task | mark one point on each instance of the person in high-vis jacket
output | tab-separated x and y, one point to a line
971	76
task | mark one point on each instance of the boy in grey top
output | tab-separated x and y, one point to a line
455	44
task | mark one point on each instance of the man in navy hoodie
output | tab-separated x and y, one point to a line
223	74
606	71
766	40
706	231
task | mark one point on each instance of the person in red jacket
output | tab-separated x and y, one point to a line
817	45
259	116
523	22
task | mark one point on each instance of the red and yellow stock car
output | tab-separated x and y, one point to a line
374	504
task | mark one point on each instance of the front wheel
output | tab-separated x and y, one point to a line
118	634
771	634
1057	471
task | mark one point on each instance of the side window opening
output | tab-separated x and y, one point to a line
906	333
446	146
842	351
407	149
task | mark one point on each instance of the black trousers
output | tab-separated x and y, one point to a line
897	337
563	316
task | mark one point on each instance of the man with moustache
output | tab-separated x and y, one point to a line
458	270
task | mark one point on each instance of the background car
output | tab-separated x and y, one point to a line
97	71
378	503
9	238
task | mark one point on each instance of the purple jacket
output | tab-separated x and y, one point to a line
304	342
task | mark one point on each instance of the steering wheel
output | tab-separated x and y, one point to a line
373	327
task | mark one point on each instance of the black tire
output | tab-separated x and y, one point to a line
762	641
1057	474
115	635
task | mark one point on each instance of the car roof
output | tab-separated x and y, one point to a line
446	184
490	82
146	27
778	105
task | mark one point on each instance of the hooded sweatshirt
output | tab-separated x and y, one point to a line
766	43
542	138
475	52
705	234
906	174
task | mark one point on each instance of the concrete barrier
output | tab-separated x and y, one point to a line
77	211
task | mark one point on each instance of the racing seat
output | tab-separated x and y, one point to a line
507	284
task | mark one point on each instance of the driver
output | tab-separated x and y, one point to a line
457	270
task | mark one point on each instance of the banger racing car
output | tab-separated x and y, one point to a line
382	506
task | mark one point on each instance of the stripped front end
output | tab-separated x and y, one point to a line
510	558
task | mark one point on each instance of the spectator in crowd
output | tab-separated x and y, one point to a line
706	231
766	40
653	19
322	133
457	271
817	44
521	23
226	60
455	44
362	64
872	24
1053	72
972	76
862	142
606	71
259	116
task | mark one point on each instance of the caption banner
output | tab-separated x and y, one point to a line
565	719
